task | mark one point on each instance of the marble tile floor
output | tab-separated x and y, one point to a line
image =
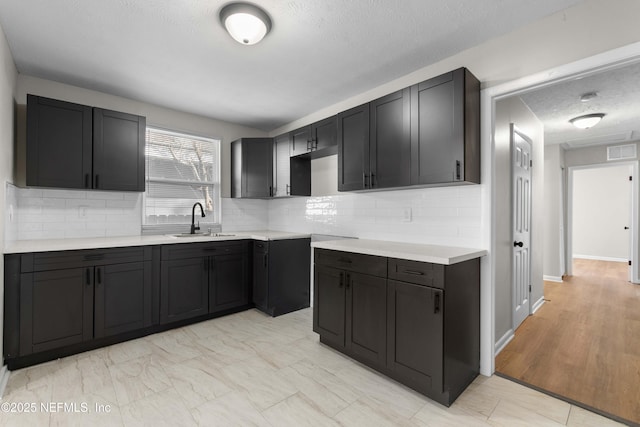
249	369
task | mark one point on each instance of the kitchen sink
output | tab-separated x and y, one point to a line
203	235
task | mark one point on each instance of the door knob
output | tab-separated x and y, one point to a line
520	244
626	228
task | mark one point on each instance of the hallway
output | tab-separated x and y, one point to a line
584	343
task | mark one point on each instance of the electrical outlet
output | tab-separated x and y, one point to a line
406	215
82	211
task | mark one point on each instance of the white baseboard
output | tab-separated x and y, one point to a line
4	379
552	278
601	258
502	342
538	304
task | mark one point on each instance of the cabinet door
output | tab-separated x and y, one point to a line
415	335
437	130
367	317
122	298
257	167
228	286
59	149
445	144
281	166
390	140
300	176
353	149
184	289
118	151
323	133
56	309
261	275
329	299
300	141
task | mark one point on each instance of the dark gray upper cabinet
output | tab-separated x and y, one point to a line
374	144
252	168
353	148
118	151
300	141
59	143
425	135
317	139
390	142
76	146
292	175
445	129
281	166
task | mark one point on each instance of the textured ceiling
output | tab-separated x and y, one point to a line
176	54
618	97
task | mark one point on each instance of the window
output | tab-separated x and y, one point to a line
181	170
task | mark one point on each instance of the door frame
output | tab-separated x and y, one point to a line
488	97
633	253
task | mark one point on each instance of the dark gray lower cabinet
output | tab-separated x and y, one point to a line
202	278
414	334
55	300
281	271
349	306
122	298
413	321
56	309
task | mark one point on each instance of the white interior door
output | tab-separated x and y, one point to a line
521	196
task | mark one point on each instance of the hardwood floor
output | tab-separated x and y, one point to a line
584	342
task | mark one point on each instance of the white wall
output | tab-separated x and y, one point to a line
8	77
553	212
601	210
514	110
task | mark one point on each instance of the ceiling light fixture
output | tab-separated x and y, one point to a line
586	121
245	22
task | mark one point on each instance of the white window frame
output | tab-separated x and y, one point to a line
205	223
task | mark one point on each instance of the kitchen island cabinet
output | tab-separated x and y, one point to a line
417	322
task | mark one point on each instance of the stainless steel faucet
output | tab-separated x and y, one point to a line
193	217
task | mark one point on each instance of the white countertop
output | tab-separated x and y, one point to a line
411	251
25	246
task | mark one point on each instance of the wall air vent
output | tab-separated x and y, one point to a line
620	152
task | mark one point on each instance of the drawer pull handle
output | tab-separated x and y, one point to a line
414	272
210	249
95	257
345	260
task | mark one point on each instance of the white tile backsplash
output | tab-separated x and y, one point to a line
244	214
444	216
58	214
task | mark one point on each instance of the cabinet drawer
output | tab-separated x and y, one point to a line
56	260
419	273
194	250
368	264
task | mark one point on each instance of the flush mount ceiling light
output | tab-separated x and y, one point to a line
245	22
586	121
586	97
